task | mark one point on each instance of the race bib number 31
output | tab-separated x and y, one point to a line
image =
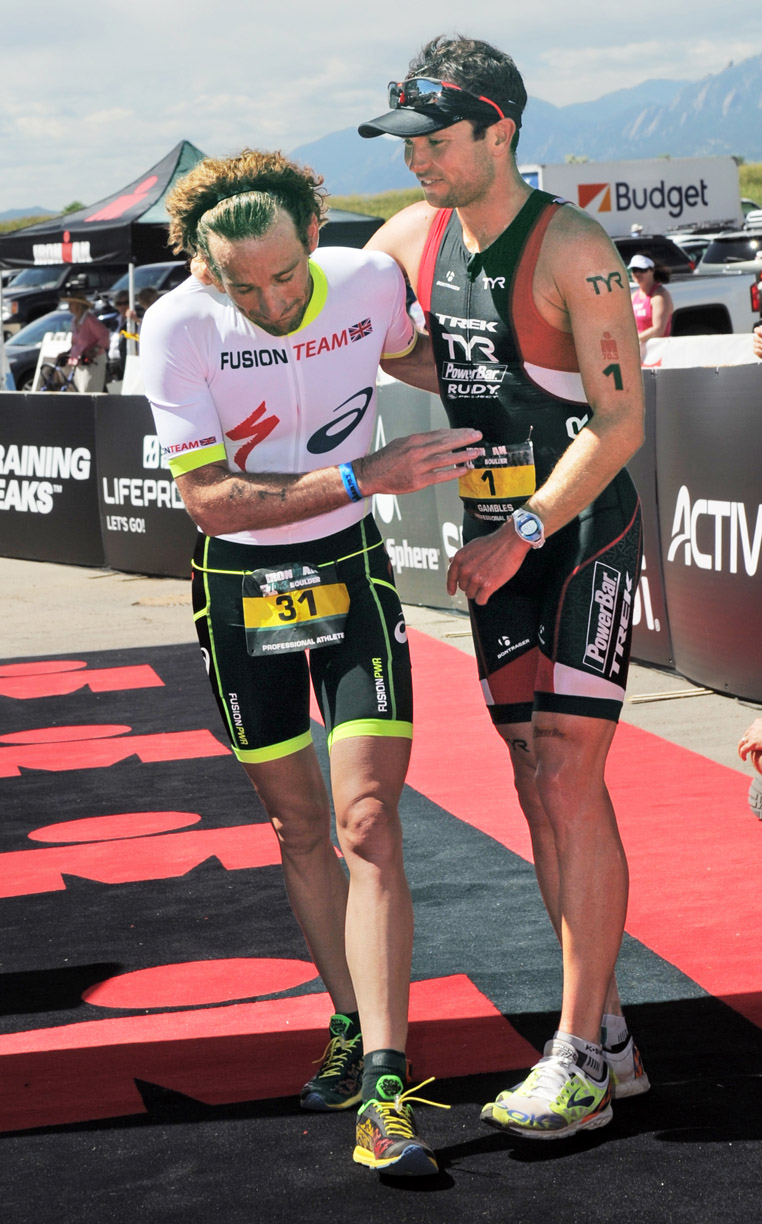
500	480
293	607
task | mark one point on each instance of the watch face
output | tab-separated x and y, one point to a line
529	527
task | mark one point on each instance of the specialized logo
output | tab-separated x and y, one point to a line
721	541
329	436
360	330
255	429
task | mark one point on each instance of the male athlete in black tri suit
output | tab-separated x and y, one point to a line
528	307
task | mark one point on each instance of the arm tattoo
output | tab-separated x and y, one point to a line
610	281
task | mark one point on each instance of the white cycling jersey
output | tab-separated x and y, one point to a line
224	390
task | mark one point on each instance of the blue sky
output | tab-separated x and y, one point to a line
92	94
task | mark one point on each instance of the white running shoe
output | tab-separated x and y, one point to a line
556	1100
626	1071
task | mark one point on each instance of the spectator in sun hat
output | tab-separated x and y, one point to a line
89	343
651	302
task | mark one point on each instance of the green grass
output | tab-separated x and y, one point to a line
384	205
390	202
750	178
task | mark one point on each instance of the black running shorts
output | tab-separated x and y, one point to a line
557	636
363	684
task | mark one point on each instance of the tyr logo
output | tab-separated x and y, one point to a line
493	282
485	349
613	278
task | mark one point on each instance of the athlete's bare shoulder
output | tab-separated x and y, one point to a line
403	237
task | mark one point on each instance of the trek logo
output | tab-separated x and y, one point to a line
674	200
700	529
474	325
329	436
604	650
254	429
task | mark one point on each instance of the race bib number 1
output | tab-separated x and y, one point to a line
293	607
500	480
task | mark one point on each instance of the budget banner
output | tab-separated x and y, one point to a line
709	459
146	528
48	483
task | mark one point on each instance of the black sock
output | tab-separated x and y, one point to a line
379	1063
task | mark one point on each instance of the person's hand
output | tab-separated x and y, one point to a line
750	744
200	271
757	341
407	464
483	565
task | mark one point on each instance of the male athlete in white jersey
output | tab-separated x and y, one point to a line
263	387
529	311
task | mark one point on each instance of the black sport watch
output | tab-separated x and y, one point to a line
529	528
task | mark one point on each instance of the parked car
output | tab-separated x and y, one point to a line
658	248
37	291
738	251
748	206
159	276
23	349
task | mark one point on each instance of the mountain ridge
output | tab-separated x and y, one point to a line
711	116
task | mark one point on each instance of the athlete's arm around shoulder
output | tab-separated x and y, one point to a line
581	276
403	237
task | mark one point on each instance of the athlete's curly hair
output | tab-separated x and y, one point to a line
239	197
478	67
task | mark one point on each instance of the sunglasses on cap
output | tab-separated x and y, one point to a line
426	91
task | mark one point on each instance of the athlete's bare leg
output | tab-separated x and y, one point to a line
367	776
294	796
559	762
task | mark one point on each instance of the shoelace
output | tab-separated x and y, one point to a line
550	1075
332	1056
397	1114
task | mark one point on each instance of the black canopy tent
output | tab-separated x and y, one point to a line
129	226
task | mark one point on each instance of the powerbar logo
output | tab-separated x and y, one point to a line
380	683
51	463
598	197
604	650
715	534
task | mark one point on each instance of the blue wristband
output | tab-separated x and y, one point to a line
346	471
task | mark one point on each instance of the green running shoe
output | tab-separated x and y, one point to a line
338	1083
556	1100
386	1138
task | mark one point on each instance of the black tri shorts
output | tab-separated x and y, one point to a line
363	684
557	636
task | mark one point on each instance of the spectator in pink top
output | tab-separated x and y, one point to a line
89	344
651	302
